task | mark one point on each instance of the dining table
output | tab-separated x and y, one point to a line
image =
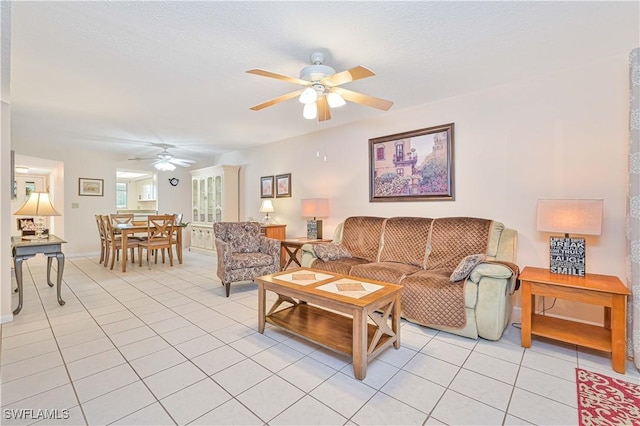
131	229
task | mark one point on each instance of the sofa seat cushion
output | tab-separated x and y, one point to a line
389	272
250	260
404	240
428	297
341	266
361	236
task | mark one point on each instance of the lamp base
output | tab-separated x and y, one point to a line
314	229
567	256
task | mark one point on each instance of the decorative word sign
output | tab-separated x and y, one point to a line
567	256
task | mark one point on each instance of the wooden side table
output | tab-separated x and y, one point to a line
279	232
290	249
602	290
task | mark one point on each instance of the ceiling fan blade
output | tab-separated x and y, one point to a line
352	74
276	100
270	74
141	159
181	162
362	99
324	112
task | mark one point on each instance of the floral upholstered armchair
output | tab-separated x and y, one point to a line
243	253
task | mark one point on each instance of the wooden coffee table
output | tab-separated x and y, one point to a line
333	310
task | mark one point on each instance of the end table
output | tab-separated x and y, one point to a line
291	248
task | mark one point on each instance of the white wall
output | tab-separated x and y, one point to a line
561	135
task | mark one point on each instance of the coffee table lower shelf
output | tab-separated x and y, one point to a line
328	329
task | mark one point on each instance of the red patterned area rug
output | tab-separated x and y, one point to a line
603	400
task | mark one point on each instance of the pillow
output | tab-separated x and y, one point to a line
465	267
327	252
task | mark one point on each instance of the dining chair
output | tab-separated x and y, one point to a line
121	218
103	239
159	237
114	242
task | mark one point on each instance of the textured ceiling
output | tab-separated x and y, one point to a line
123	76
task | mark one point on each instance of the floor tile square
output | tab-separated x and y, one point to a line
270	397
241	376
173	379
384	410
192	402
343	394
308	411
157	361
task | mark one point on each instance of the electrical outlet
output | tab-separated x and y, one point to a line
75	205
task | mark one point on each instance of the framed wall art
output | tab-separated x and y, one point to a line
266	187
91	187
283	185
412	166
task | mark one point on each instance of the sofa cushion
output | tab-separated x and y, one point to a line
341	266
428	298
389	272
327	252
361	236
404	240
453	238
465	266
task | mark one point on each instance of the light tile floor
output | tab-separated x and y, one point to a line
164	346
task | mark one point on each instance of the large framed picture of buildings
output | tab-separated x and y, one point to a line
412	166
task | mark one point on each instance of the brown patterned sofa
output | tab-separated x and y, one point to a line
458	273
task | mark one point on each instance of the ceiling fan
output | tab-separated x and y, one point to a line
322	91
165	161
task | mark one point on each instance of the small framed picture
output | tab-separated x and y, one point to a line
91	187
266	187
283	185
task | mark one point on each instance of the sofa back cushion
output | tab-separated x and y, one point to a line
243	237
404	240
453	238
361	236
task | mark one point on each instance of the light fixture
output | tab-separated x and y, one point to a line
335	100
308	96
310	111
266	207
583	217
315	207
164	166
38	205
22	169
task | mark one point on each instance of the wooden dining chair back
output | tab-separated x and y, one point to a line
159	237
121	218
103	238
114	242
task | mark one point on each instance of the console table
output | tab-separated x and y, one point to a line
23	249
604	290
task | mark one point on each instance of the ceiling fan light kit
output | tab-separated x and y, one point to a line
322	91
166	162
164	166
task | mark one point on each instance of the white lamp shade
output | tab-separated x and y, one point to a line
164	166
38	204
310	111
582	217
266	207
335	100
315	207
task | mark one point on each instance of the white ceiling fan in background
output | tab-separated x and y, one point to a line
165	161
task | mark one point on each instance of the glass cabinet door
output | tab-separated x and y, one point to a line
218	181
194	198
202	199
210	199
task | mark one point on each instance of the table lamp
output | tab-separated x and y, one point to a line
584	217
315	207
38	205
266	207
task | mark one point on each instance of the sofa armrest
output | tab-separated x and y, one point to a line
270	246
308	255
499	270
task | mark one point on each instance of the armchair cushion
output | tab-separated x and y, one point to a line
243	237
250	260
